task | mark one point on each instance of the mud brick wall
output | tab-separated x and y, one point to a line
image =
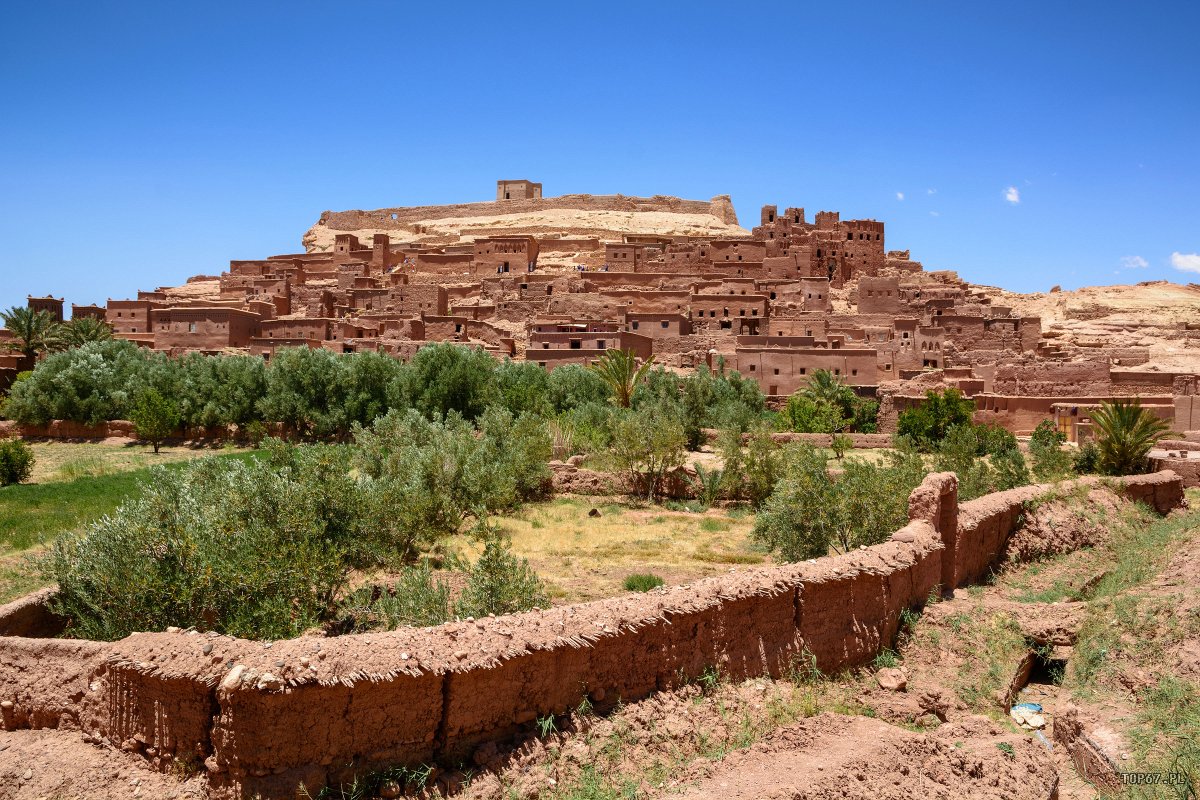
264	717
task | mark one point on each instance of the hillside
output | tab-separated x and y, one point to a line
570	216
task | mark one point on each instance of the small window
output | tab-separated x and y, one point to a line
752	367
635	324
777	370
666	324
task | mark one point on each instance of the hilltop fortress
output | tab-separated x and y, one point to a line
559	280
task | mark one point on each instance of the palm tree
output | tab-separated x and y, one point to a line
1125	434
33	332
620	370
81	330
825	387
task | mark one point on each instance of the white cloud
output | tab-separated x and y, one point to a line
1134	262
935	213
1188	262
899	195
1012	195
931	191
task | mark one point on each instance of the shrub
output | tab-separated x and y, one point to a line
367	379
929	423
1087	459
16	461
422	479
1050	461
840	444
417	599
642	582
221	390
763	465
500	583
810	512
647	444
446	377
88	384
803	414
957	453
256	549
994	440
591	426
522	387
1010	470
256	432
154	417
305	391
570	386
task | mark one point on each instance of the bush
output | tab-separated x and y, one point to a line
417	599
305	391
929	423
839	444
762	464
522	387
709	484
422	479
154	417
803	414
256	549
591	426
571	386
88	384
1087	459
1050	461
446	377
647	444
500	583
810	512
642	582
993	440
16	461
220	390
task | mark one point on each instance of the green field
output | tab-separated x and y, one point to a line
32	515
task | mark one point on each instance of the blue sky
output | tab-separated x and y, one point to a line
1022	144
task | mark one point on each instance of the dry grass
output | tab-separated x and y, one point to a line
586	558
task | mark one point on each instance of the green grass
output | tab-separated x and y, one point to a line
642	582
33	514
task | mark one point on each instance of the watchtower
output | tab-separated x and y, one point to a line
518	190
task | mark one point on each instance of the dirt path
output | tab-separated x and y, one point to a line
39	765
832	756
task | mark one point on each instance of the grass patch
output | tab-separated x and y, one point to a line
996	646
642	582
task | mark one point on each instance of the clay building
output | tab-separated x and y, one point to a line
501	255
518	190
51	305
